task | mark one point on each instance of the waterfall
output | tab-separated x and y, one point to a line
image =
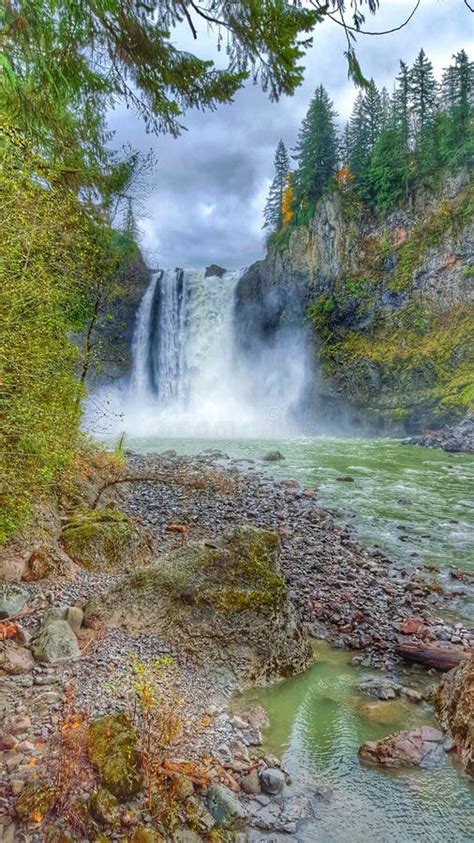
188	376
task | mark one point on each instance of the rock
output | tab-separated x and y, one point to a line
272	780
56	643
49	560
15	659
186	835
226	809
54	834
257	717
415	748
273	456
250	783
113	750
379	688
147	835
346	479
104	539
74	617
34	802
454	706
225	603
12	600
103	806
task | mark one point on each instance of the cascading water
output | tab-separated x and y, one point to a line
188	378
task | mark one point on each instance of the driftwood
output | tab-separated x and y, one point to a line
441	656
206	480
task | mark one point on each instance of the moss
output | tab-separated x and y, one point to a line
103	538
103	806
113	749
146	835
34	802
237	574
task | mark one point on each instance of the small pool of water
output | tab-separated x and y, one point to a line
318	722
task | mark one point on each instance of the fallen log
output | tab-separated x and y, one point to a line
441	656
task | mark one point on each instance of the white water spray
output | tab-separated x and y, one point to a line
188	378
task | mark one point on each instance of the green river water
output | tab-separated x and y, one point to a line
417	505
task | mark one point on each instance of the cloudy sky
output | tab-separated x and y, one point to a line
204	203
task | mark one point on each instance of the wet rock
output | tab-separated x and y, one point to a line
226	809
56	643
415	748
12	600
105	539
113	749
454	705
379	688
273	456
272	780
346	479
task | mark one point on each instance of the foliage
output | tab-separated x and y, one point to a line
391	146
54	251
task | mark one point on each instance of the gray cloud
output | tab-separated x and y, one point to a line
205	201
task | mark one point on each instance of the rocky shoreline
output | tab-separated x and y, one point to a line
455	439
349	596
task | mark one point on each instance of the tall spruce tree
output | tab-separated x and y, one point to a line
316	150
423	93
457	88
273	213
401	102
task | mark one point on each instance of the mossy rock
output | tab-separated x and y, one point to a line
146	835
34	801
113	749
104	539
224	602
103	806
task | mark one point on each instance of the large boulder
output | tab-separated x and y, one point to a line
56	642
224	602
113	750
417	748
104	539
454	705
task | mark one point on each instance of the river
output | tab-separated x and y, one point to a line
416	504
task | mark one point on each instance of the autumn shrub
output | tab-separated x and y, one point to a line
54	250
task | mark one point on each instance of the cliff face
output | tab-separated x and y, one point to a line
113	333
388	305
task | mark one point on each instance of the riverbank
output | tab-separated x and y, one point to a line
351	597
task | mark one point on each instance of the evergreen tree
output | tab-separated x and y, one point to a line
401	103
423	93
273	213
364	128
458	97
316	150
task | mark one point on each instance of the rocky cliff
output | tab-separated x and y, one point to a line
388	306
113	332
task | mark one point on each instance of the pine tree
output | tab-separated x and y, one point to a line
458	98
423	93
273	213
401	102
316	150
364	129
